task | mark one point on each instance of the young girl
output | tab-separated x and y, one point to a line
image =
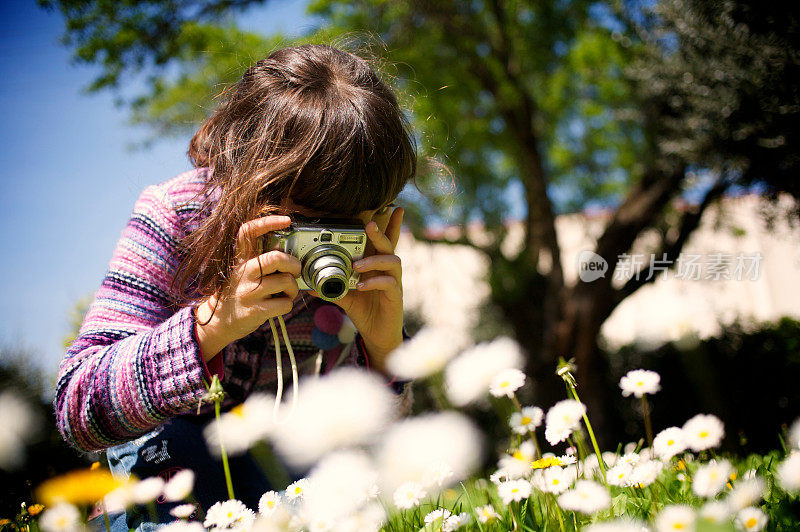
310	130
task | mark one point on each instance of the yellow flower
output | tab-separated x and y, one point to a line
35	509
543	463
84	486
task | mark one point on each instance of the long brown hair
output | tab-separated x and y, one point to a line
312	123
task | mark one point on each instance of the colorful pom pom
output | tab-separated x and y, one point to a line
329	319
324	341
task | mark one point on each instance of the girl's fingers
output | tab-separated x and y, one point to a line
269	285
387	263
393	228
384	283
270	262
249	232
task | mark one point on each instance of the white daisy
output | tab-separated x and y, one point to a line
501	475
618	474
675	517
179	486
751	519
669	442
439	513
703	431
183	511
746	493
518	464
486	514
467	377
296	490
21	425
506	382
269	503
63	517
629	458
409	495
414	446
345	408
454	522
562	419
230	514
424	354
514	490
587	497
640	382
710	478
645	473
788	474
715	512
554	480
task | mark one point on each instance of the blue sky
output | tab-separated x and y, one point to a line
69	183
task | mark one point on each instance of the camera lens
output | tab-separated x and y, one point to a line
328	273
333	288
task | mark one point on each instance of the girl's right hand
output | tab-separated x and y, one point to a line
260	287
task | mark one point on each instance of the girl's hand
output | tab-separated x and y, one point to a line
376	306
260	287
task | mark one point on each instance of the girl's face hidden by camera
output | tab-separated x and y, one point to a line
380	216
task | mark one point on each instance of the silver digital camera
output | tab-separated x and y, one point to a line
326	249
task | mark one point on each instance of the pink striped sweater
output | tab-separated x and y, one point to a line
136	360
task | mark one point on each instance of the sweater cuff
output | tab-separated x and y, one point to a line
174	367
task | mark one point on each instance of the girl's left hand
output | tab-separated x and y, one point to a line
376	306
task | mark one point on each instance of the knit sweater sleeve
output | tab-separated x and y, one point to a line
135	361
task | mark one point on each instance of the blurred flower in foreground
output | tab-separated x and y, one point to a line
794	434
229	515
347	407
339	485
788	474
746	493
562	419
412	448
675	517
409	495
63	517
467	377
179	486
669	442
703	431
527	420
640	382
711	478
183	511
715	512
84	486
241	426
751	519
587	497
424	354
454	522
623	524
21	423
486	514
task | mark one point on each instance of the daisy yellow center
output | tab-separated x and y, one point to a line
230	514
61	523
640	383
298	490
525	420
505	384
238	410
678	526
751	522
704	434
514	490
555	481
670	442
270	504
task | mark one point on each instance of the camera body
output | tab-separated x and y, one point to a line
326	249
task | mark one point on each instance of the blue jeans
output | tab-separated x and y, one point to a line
176	445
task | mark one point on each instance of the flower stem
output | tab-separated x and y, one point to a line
558	514
225	466
647	425
591	435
